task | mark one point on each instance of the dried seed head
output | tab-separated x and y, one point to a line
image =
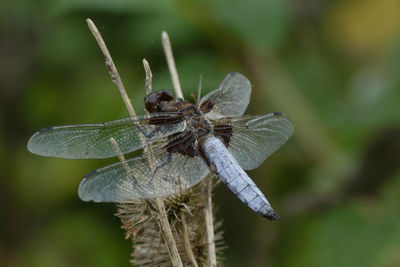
140	223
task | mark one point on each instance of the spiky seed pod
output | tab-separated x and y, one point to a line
140	223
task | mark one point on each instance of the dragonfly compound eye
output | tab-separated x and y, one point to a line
155	101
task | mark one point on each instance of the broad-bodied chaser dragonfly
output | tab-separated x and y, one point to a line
188	141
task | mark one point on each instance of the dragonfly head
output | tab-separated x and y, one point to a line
158	100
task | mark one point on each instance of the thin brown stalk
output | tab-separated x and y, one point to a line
161	213
186	239
178	91
112	70
207	200
199	90
167	233
149	76
208	214
212	258
120	155
171	63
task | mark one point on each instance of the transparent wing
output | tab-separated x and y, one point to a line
152	175
93	140
253	139
229	100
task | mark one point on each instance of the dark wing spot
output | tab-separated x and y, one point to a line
206	106
165	120
277	113
184	144
223	132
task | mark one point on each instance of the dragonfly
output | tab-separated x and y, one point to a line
186	142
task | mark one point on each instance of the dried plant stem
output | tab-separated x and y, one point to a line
161	213
212	258
199	90
112	70
149	76
171	64
167	233
120	155
207	200
186	239
208	214
159	203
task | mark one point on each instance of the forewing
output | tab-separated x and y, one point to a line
254	138
229	100
156	174
93	140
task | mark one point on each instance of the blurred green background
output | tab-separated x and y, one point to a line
332	66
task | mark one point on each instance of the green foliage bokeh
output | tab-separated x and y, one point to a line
333	67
